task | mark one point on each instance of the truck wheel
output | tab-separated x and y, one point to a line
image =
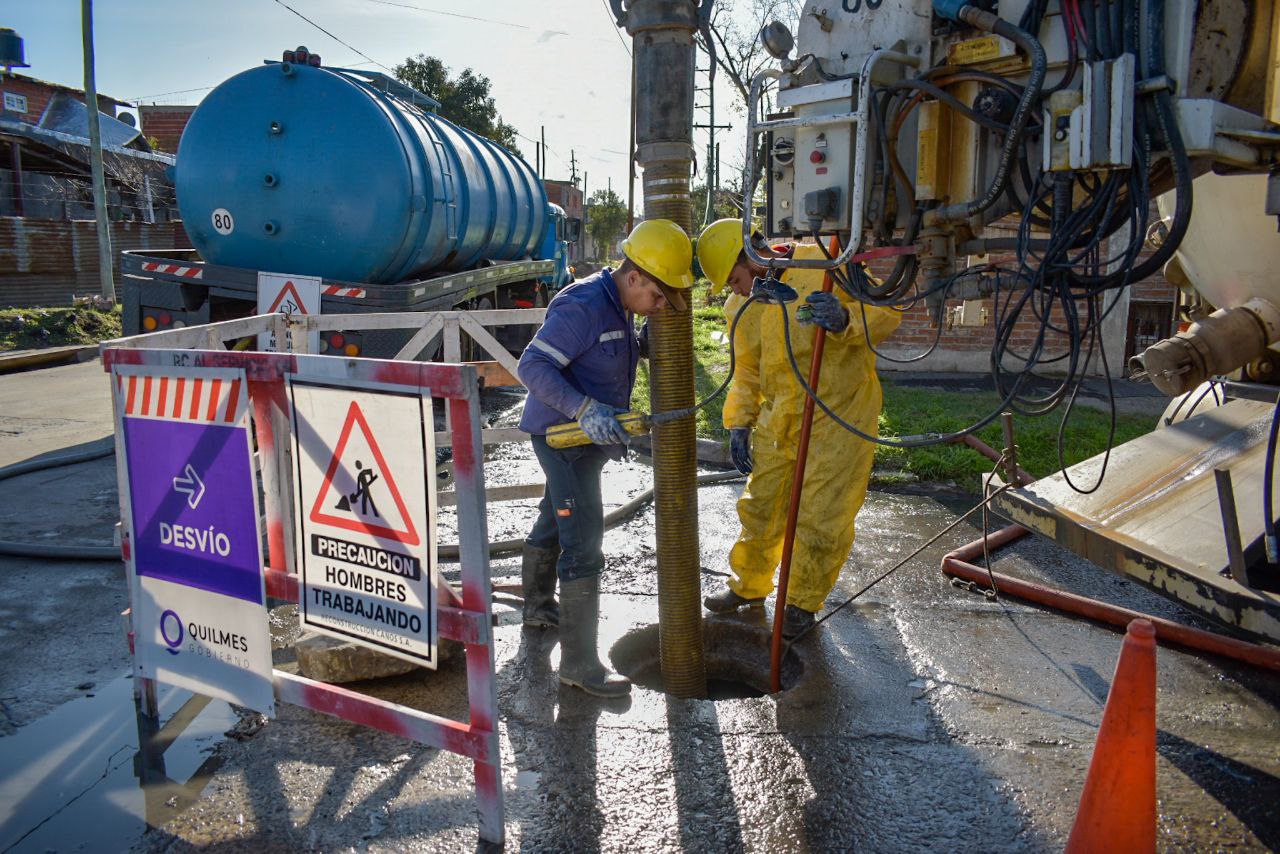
471	351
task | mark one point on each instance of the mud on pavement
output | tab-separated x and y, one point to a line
920	717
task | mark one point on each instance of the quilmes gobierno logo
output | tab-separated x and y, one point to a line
170	621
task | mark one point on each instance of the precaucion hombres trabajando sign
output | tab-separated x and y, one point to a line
365	531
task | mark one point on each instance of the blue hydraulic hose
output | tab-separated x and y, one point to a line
1268	509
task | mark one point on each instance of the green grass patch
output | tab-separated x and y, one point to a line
33	328
912	410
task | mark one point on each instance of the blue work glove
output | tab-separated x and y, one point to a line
740	448
598	421
826	311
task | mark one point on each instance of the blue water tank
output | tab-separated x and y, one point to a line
314	171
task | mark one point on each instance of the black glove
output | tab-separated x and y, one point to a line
740	448
826	311
644	341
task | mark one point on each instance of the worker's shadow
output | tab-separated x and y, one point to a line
1243	790
552	730
877	760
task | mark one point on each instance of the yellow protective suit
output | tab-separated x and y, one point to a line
766	395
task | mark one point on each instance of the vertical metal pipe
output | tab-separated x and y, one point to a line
105	263
631	154
663	57
797	488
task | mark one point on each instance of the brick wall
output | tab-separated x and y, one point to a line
38	94
969	348
565	195
165	124
46	263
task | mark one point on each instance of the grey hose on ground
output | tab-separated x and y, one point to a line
112	553
44	550
612	519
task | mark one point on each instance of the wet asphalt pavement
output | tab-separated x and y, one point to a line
924	716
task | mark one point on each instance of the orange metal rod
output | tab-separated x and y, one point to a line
797	486
957	564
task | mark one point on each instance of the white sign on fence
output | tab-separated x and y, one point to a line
365	516
279	292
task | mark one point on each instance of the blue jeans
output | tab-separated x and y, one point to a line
571	511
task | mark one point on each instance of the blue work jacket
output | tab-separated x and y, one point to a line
586	348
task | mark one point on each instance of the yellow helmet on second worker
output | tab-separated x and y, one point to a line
661	249
718	249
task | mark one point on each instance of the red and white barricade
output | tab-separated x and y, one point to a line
217	390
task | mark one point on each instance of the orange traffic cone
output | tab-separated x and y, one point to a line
1118	806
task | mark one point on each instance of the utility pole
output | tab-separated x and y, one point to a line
573	167
537	158
711	174
586	218
543	172
631	154
95	150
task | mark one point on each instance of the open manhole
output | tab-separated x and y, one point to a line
735	652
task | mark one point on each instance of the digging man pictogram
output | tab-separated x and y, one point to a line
363	481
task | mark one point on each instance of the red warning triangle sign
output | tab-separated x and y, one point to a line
285	291
321	511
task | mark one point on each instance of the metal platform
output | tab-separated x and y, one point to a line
1157	516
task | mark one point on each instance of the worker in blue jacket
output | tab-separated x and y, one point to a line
581	366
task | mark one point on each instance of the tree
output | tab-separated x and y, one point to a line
464	99
606	218
727	202
735	32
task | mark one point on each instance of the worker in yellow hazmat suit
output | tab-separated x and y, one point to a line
763	411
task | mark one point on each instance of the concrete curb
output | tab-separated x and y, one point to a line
51	356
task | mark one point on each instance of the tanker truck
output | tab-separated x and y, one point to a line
1014	153
298	170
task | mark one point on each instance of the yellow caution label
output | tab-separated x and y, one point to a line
933	150
974	51
927	172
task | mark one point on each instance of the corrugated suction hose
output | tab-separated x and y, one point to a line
676	505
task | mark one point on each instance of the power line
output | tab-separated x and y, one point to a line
175	92
332	36
207	88
451	14
613	25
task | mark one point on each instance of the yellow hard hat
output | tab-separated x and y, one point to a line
718	249
662	249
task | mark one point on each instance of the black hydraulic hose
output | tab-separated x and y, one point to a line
44	550
1268	506
922	441
951	101
1168	123
1026	106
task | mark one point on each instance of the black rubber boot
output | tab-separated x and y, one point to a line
796	620
726	600
538	581
579	659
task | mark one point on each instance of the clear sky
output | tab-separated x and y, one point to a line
557	63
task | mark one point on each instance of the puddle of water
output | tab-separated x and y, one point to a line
75	780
